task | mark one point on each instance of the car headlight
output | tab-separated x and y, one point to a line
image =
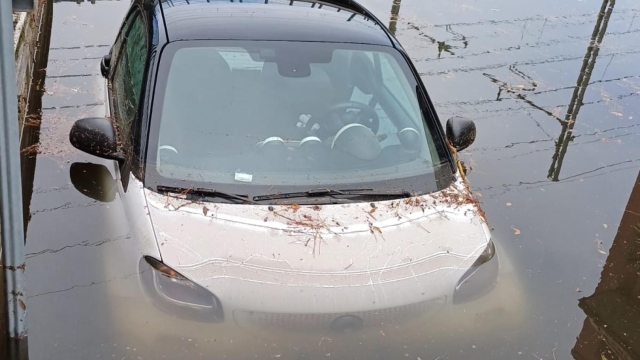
488	254
173	293
480	278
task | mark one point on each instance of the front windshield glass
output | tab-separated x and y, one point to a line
242	116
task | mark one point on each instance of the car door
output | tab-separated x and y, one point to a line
126	91
130	53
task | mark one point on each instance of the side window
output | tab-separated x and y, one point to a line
115	49
128	76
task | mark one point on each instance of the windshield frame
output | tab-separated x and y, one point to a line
439	177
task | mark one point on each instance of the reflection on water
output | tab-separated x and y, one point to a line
93	181
611	329
445	45
566	135
395	12
30	134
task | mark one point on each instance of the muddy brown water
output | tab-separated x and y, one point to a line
554	88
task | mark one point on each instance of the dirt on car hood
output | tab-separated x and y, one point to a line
446	229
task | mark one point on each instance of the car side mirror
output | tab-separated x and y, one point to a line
461	132
96	136
93	181
105	65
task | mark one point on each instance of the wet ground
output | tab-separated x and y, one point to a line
555	165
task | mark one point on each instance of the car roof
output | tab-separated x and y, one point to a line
285	20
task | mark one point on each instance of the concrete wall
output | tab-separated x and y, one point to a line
27	27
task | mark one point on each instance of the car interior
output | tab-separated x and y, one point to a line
263	110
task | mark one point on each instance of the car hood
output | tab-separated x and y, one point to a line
275	243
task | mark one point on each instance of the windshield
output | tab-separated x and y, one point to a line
244	117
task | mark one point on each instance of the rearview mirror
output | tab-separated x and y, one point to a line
293	68
105	65
93	181
461	132
96	136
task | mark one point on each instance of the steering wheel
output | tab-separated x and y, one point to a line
338	116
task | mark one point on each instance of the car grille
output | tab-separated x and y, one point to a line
302	322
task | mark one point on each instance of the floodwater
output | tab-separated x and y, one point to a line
554	88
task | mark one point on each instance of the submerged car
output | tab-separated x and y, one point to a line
281	162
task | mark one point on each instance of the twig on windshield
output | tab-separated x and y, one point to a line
185	204
183	193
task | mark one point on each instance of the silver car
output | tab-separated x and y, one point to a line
281	164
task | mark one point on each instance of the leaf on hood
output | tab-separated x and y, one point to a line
205	210
516	231
295	207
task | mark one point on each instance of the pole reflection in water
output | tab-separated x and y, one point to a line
395	11
590	58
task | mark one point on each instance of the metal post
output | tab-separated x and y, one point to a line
22	5
11	225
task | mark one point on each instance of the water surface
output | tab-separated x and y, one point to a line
553	87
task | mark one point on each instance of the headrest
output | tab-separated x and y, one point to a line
362	73
410	139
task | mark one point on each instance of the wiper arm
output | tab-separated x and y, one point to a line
332	193
201	192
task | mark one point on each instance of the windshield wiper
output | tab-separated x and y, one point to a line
334	193
201	192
